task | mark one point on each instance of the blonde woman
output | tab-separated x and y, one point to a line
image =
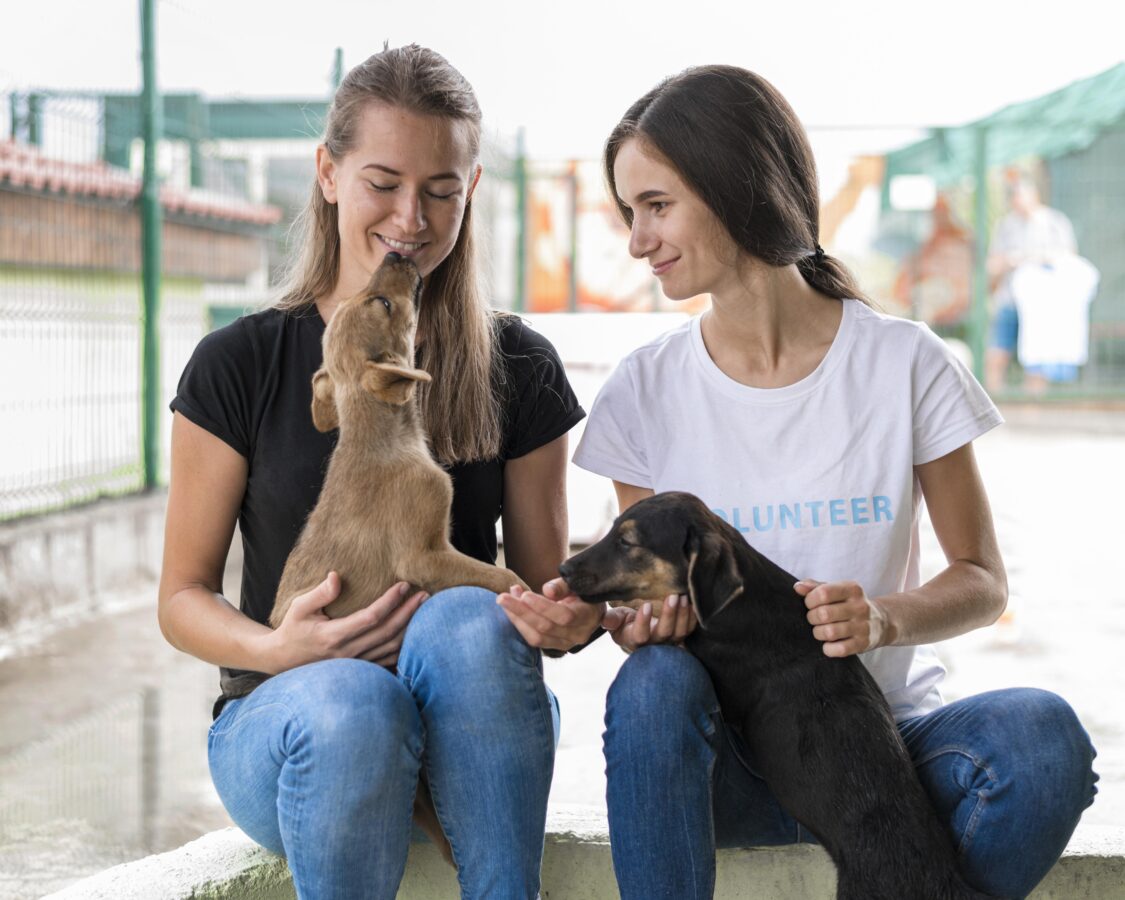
323	726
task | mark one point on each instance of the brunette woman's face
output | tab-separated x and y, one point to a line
685	243
402	187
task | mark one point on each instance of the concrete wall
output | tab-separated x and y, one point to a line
59	567
227	865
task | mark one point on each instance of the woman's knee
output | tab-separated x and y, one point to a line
1030	741
1040	721
661	673
1056	737
465	627
350	708
662	696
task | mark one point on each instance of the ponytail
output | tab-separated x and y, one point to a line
829	276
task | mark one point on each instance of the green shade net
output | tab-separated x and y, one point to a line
1047	127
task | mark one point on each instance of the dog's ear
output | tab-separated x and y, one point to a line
324	402
390	383
713	578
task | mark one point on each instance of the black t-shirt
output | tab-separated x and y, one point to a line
250	385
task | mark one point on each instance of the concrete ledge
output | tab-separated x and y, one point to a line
77	563
576	866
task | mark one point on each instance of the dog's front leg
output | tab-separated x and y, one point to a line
449	568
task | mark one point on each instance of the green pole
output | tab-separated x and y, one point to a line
519	301
337	68
34	111
978	321
193	110
151	224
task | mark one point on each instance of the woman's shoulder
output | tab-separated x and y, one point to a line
270	323
527	357
515	337
665	354
241	351
247	328
887	332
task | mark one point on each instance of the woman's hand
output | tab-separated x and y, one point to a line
632	628
557	619
374	633
843	617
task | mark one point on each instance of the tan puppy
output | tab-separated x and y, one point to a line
383	513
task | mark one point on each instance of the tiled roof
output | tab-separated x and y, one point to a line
22	165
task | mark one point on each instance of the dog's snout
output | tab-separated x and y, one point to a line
578	576
393	257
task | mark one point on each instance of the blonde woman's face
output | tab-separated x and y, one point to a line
403	187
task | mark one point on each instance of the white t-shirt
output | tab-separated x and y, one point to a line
819	475
1043	236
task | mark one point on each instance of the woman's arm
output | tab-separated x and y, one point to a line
628	494
536	541
205	491
969	593
536	538
208	479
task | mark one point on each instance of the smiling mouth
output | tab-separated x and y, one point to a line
661	268
403	247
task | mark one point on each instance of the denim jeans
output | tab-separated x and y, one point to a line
321	762
1009	772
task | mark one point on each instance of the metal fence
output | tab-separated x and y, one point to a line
100	768
71	311
235	173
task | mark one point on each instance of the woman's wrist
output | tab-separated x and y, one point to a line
268	652
883	631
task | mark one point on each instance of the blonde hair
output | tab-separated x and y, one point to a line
461	406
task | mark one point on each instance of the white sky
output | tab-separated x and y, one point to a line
566	70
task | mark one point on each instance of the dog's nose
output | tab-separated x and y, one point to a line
392	257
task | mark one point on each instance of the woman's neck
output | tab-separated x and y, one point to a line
772	328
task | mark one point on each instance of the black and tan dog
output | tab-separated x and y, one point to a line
818	729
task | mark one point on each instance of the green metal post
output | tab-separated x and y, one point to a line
193	110
151	224
34	123
520	298
978	319
14	116
338	68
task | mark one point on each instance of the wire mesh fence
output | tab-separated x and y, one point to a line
235	173
98	768
71	307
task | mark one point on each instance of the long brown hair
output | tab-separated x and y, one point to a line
461	406
738	144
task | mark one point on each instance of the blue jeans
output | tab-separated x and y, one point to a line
1009	772
320	763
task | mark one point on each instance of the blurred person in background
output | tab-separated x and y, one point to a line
324	725
1031	234
816	426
